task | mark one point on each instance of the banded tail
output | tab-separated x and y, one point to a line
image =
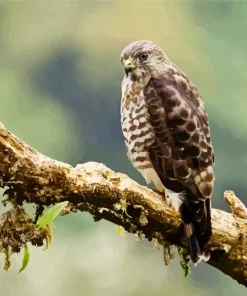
196	217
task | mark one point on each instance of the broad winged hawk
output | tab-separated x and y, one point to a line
166	131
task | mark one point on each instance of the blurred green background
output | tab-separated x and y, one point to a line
60	79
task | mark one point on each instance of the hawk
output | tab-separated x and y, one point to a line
166	131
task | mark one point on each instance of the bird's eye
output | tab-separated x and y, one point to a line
143	56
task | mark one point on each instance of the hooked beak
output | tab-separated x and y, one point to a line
128	66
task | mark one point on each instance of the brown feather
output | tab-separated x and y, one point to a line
184	127
184	160
166	131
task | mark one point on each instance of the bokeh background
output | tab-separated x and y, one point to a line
60	79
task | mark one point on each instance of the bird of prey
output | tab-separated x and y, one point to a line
166	131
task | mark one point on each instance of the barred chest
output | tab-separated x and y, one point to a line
135	125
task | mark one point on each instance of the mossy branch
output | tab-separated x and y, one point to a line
32	177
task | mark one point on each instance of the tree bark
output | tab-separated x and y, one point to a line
32	177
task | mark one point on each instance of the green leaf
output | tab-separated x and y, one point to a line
25	259
51	213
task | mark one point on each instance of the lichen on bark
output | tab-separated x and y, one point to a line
32	177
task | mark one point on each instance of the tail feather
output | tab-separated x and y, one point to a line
197	227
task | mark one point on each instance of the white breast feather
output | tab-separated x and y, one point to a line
149	174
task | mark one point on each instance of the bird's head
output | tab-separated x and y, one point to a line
143	58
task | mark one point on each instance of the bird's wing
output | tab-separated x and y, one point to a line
182	152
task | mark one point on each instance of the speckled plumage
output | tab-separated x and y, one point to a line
166	132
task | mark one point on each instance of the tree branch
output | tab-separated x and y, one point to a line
32	177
